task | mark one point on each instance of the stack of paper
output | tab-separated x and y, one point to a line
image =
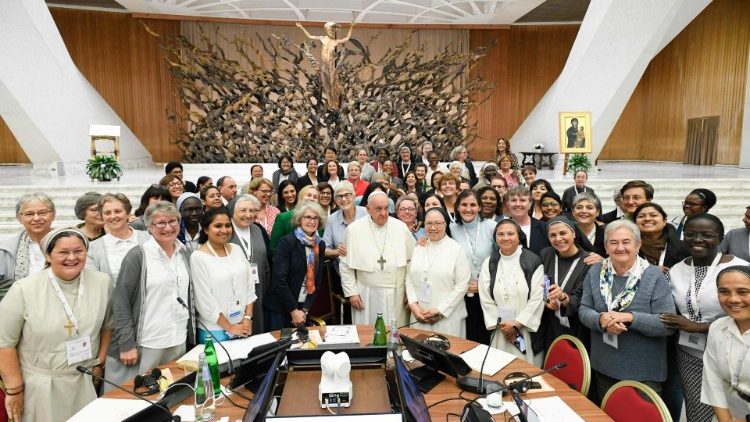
496	359
238	349
109	410
342	334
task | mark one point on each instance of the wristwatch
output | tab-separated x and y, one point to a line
248	317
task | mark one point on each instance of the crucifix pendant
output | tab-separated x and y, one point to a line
381	261
69	326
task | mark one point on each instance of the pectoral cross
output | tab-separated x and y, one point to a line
381	261
69	326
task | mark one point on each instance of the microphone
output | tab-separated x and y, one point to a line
473	412
231	364
477	385
167	415
520	385
404	326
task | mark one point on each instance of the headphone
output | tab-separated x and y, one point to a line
149	381
522	386
437	341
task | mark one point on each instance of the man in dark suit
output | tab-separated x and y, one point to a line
175	169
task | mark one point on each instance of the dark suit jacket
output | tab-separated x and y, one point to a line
569	195
289	268
304	181
277	175
538	239
323	174
190	187
400	170
473	180
609	217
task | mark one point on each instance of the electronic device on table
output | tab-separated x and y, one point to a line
435	361
358	356
335	389
413	406
252	370
258	406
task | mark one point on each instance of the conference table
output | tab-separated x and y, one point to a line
446	389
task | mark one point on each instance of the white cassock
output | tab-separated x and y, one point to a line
513	302
438	278
375	268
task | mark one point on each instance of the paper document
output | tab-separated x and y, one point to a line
341	334
109	410
552	409
496	359
238	349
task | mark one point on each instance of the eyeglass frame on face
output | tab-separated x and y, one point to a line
627	198
434	223
692	204
407	209
174	184
342	196
311	218
702	236
247	211
161	225
66	254
31	214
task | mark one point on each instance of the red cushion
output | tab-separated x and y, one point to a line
573	374
3	413
628	404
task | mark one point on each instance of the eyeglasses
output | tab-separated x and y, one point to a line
703	236
246	211
30	214
692	204
311	218
434	224
266	191
174	184
66	254
344	196
164	224
407	209
634	198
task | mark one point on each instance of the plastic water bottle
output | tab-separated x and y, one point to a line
379	336
205	408
213	364
393	337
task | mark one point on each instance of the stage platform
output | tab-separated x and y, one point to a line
671	181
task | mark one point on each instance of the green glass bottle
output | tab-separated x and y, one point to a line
380	336
213	364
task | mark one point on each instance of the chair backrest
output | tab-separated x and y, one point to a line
633	401
3	413
568	349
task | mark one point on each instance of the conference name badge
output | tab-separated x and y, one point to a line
695	341
610	340
235	311
78	350
424	293
254	278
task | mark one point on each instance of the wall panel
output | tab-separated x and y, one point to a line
702	72
524	64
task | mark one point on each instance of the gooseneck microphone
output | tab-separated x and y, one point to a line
231	364
167	415
478	385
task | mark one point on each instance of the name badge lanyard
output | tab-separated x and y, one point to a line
234	279
693	290
429	262
734	377
565	280
662	256
247	245
473	246
66	306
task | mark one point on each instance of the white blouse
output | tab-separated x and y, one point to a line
726	364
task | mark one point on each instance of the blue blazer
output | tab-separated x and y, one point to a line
289	269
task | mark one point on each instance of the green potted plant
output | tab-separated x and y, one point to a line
579	162
104	168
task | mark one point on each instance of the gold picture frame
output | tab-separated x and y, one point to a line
575	132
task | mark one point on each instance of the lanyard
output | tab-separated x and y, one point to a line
66	306
576	189
245	244
473	246
693	289
662	256
234	278
735	377
405	169
429	262
567	276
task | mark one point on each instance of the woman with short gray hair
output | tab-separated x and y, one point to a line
623	297
153	300
21	255
290	296
87	209
461	154
253	241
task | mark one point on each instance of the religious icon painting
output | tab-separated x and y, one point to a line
575	132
